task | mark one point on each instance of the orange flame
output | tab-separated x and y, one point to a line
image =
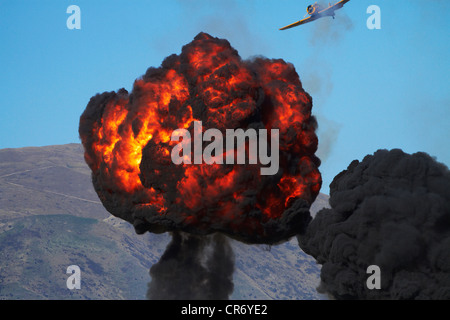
210	83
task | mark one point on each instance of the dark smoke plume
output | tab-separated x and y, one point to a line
192	268
391	210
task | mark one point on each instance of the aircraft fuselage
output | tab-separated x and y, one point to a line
316	10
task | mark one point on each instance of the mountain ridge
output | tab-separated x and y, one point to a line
51	217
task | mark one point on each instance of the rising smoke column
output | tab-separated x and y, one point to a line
193	268
127	141
391	210
128	147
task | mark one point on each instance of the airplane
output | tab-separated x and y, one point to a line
317	11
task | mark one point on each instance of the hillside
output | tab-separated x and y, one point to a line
51	218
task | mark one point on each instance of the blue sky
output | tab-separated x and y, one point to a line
372	89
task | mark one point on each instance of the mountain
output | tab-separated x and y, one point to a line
51	218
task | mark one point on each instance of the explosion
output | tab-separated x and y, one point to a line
391	210
128	146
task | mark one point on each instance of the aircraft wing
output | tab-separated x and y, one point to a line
334	7
340	4
306	20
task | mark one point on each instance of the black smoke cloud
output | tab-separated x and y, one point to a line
391	210
193	268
